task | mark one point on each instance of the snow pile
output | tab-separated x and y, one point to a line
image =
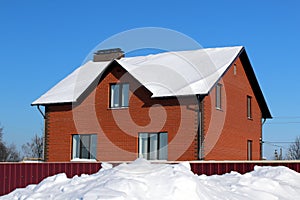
143	180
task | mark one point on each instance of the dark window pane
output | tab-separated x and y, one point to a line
115	95
249	149
218	96
93	150
143	145
153	146
163	146
76	144
85	146
249	111
125	95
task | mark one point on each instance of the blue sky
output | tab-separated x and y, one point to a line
43	41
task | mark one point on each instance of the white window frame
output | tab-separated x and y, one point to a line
119	95
84	146
153	146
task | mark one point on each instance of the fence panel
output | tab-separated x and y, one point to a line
19	175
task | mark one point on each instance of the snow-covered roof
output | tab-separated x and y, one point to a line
181	73
70	88
165	74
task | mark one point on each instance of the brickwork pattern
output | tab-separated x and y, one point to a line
118	129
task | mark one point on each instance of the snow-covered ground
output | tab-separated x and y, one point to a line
143	180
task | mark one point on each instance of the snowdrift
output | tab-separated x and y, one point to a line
143	180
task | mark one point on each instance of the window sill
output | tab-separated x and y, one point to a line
118	108
157	161
219	109
83	160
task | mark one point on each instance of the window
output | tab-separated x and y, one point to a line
249	150
153	146
219	96
84	146
234	69
249	107
119	94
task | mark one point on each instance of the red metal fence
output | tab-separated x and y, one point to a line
210	168
19	175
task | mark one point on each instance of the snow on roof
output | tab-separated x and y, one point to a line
183	72
69	89
165	74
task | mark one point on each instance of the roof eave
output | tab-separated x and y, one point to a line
266	114
51	103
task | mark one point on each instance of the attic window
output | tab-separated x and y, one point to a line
119	95
234	69
219	96
249	107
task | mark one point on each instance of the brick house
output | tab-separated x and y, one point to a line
201	104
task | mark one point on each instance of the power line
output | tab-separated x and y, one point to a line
275	145
282	122
286	117
278	142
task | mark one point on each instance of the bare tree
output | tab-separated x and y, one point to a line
8	153
34	148
293	152
13	154
3	150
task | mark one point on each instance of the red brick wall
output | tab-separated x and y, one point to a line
232	119
118	129
226	131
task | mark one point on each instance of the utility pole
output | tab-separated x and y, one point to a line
276	154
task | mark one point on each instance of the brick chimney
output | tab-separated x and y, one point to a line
108	54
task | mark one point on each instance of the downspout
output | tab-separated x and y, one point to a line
199	128
261	140
44	117
38	107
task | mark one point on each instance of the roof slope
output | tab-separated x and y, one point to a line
69	89
165	74
181	73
